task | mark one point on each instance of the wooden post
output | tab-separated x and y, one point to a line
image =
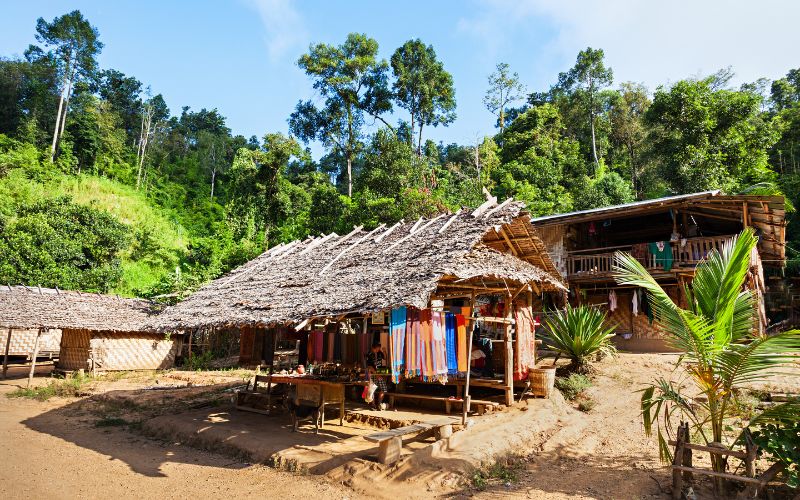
470	327
687	454
35	354
751	449
5	357
677	476
271	369
189	354
509	348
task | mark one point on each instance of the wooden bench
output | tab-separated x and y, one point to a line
480	406
390	443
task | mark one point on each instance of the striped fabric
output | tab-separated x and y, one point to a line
450	343
397	341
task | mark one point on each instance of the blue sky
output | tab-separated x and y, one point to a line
239	56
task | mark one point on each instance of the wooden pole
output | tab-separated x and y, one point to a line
509	348
470	327
33	358
5	357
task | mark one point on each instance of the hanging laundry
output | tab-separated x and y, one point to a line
525	357
450	344
663	254
461	338
635	303
398	338
647	308
612	300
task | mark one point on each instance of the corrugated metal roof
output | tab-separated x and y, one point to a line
615	208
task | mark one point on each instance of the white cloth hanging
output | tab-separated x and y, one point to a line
612	300
635	303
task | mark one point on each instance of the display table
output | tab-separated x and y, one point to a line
313	390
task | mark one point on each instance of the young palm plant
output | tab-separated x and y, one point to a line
721	348
580	334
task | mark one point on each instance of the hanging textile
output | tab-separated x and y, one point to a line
437	344
385	343
612	300
525	357
635	303
450	344
647	307
411	344
318	346
426	352
663	254
397	343
461	339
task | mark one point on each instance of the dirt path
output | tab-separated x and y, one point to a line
48	455
601	454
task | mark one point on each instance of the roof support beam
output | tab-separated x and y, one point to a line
389	231
447	224
339	256
423	228
498	208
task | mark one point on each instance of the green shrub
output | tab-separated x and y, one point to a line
782	444
580	334
65	388
573	386
201	362
587	404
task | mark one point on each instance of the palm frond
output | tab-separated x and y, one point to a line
756	360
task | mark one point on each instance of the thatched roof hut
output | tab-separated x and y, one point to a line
489	249
49	308
95	331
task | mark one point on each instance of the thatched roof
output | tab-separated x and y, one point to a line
35	307
367	271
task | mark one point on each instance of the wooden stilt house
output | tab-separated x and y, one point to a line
669	236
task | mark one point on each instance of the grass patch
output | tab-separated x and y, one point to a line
586	404
65	388
502	471
573	386
111	422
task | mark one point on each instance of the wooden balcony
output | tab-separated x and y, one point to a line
597	263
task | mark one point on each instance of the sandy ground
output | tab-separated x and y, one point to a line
47	454
54	448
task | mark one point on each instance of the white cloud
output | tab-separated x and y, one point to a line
285	27
651	41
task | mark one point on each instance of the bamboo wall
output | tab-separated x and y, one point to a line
116	351
23	340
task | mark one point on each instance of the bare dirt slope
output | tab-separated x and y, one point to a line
600	454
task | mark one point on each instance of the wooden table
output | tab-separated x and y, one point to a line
314	390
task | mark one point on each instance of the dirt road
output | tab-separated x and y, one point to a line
48	455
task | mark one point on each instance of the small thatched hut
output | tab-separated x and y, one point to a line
492	250
97	332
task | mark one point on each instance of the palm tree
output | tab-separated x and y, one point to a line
717	335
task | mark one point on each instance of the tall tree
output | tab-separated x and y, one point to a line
212	149
504	90
123	93
154	111
353	83
704	136
76	45
627	123
585	81
423	87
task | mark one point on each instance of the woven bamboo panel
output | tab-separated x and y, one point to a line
132	351
22	342
74	353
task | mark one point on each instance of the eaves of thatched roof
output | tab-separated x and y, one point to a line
366	271
36	307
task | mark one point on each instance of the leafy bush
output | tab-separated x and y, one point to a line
782	444
504	471
573	386
587	404
201	362
580	334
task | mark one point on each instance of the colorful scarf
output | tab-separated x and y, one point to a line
426	351
397	343
412	343
450	339
461	337
524	358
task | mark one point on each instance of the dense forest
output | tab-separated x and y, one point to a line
104	188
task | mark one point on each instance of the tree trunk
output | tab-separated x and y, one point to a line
55	129
419	143
349	175
594	145
213	178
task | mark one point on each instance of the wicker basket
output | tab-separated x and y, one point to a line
542	381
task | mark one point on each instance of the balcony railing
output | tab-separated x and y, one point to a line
684	255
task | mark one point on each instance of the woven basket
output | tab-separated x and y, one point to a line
542	381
